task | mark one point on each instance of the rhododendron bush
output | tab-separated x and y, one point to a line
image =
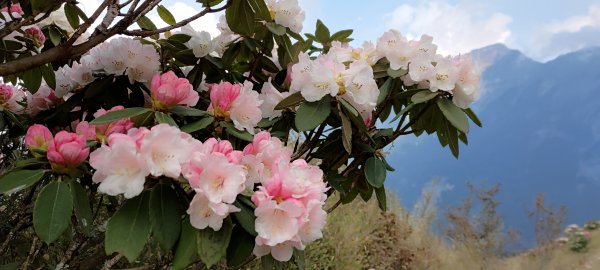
209	149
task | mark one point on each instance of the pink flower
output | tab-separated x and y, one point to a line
270	97
36	34
12	98
264	155
119	126
282	252
221	97
245	110
138	135
42	100
14	8
204	213
85	129
37	138
67	150
219	180
168	90
120	168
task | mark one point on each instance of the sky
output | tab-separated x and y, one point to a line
542	29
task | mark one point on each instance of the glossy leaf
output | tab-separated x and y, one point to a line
129	228
471	114
381	198
346	133
240	134
52	211
276	28
241	249
120	114
454	114
187	248
165	15
18	180
240	17
81	205
375	172
187	111
212	245
165	215
72	15
198	125
163	118
312	114
322	32
245	217
290	101
423	96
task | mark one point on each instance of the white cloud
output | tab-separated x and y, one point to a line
456	28
571	34
182	11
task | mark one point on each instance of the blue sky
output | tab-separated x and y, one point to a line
541	29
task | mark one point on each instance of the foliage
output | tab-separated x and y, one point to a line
106	142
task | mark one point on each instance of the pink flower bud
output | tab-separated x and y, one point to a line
168	90
37	138
36	34
6	92
119	126
221	97
67	150
42	100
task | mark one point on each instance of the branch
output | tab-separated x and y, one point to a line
83	27
147	33
108	264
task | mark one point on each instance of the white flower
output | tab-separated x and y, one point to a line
444	75
81	73
245	110
64	84
200	42
420	69
424	47
270	97
359	83
220	180
164	150
287	13
204	213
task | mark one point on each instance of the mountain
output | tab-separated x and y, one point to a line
541	134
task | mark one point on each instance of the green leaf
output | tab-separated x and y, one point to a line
165	15
245	217
381	198
384	90
187	111
396	73
81	204
471	114
241	249
322	32
41	5
32	79
198	125
162	117
451	136
299	259
346	133
276	28
240	17
231	130
129	228
342	35
212	245
52	211
423	96
165	215
403	111
55	35
312	114
181	38
454	114
260	10
187	248
292	100
145	23
48	75
267	262
72	15
375	172
120	114
17	180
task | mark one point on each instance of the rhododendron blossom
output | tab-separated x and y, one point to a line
37	138
236	102
67	151
169	90
42	100
164	149
286	13
12	98
270	97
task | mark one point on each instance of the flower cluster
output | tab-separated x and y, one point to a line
43	99
286	13
427	69
168	90
12	98
118	56
101	132
64	150
237	102
330	74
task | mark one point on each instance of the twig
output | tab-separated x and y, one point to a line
11	234
108	264
32	253
333	207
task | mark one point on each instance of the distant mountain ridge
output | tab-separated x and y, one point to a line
541	133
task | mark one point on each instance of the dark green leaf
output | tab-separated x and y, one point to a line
423	96
52	211
396	73
231	130
292	100
32	79
17	180
120	114
471	114
81	204
239	250
212	245
129	228
403	111
322	32
312	114
41	5
198	125
299	259
72	15
55	35
387	165
240	17
165	15
384	90
187	248
342	35
165	215
145	23
245	217
181	38
162	117
346	133
187	111
375	172
276	28
454	114
381	198
260	10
